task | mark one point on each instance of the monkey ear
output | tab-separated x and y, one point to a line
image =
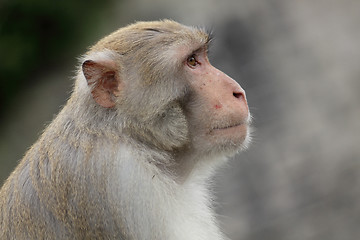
104	81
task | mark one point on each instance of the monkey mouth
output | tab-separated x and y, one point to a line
233	124
228	126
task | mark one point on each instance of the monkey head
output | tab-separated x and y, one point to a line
155	84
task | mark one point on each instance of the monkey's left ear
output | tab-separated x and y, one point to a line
104	81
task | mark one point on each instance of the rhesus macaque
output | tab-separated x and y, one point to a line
131	153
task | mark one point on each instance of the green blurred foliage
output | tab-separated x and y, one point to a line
37	34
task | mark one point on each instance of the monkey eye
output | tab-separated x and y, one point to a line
192	61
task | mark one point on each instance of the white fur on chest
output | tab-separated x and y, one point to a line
159	206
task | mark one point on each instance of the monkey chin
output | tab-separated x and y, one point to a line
229	141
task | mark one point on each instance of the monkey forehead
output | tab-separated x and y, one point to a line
155	35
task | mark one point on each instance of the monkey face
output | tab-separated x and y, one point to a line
218	112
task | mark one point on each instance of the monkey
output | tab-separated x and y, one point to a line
131	154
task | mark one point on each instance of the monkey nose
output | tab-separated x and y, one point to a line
240	97
239	94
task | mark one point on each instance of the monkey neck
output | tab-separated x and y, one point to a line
171	153
192	166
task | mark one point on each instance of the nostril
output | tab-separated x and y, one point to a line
237	95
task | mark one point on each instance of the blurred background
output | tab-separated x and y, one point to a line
299	62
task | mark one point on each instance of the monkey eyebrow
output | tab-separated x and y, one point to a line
208	42
203	48
210	37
